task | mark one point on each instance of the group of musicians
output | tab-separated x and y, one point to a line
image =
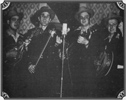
44	62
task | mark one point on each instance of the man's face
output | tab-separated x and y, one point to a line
14	22
84	18
45	18
112	25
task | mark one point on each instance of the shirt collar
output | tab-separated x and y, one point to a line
15	37
83	29
43	27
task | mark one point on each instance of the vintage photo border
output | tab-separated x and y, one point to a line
65	1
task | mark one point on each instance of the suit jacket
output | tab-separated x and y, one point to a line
93	35
39	41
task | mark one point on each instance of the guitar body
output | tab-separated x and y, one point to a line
103	63
13	54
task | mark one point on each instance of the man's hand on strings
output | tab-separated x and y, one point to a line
82	40
12	53
31	69
27	42
58	40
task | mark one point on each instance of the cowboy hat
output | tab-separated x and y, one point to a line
113	16
84	9
14	12
34	18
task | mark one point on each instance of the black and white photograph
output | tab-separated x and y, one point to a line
62	49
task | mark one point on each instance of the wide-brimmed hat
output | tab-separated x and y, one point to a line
113	16
34	18
14	12
84	9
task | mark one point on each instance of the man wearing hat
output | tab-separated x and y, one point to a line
11	40
114	31
84	42
42	58
11	34
112	44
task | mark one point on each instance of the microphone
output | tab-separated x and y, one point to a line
64	29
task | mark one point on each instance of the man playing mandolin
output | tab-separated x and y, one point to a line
85	43
11	37
11	40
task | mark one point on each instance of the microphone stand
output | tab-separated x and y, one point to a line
64	32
